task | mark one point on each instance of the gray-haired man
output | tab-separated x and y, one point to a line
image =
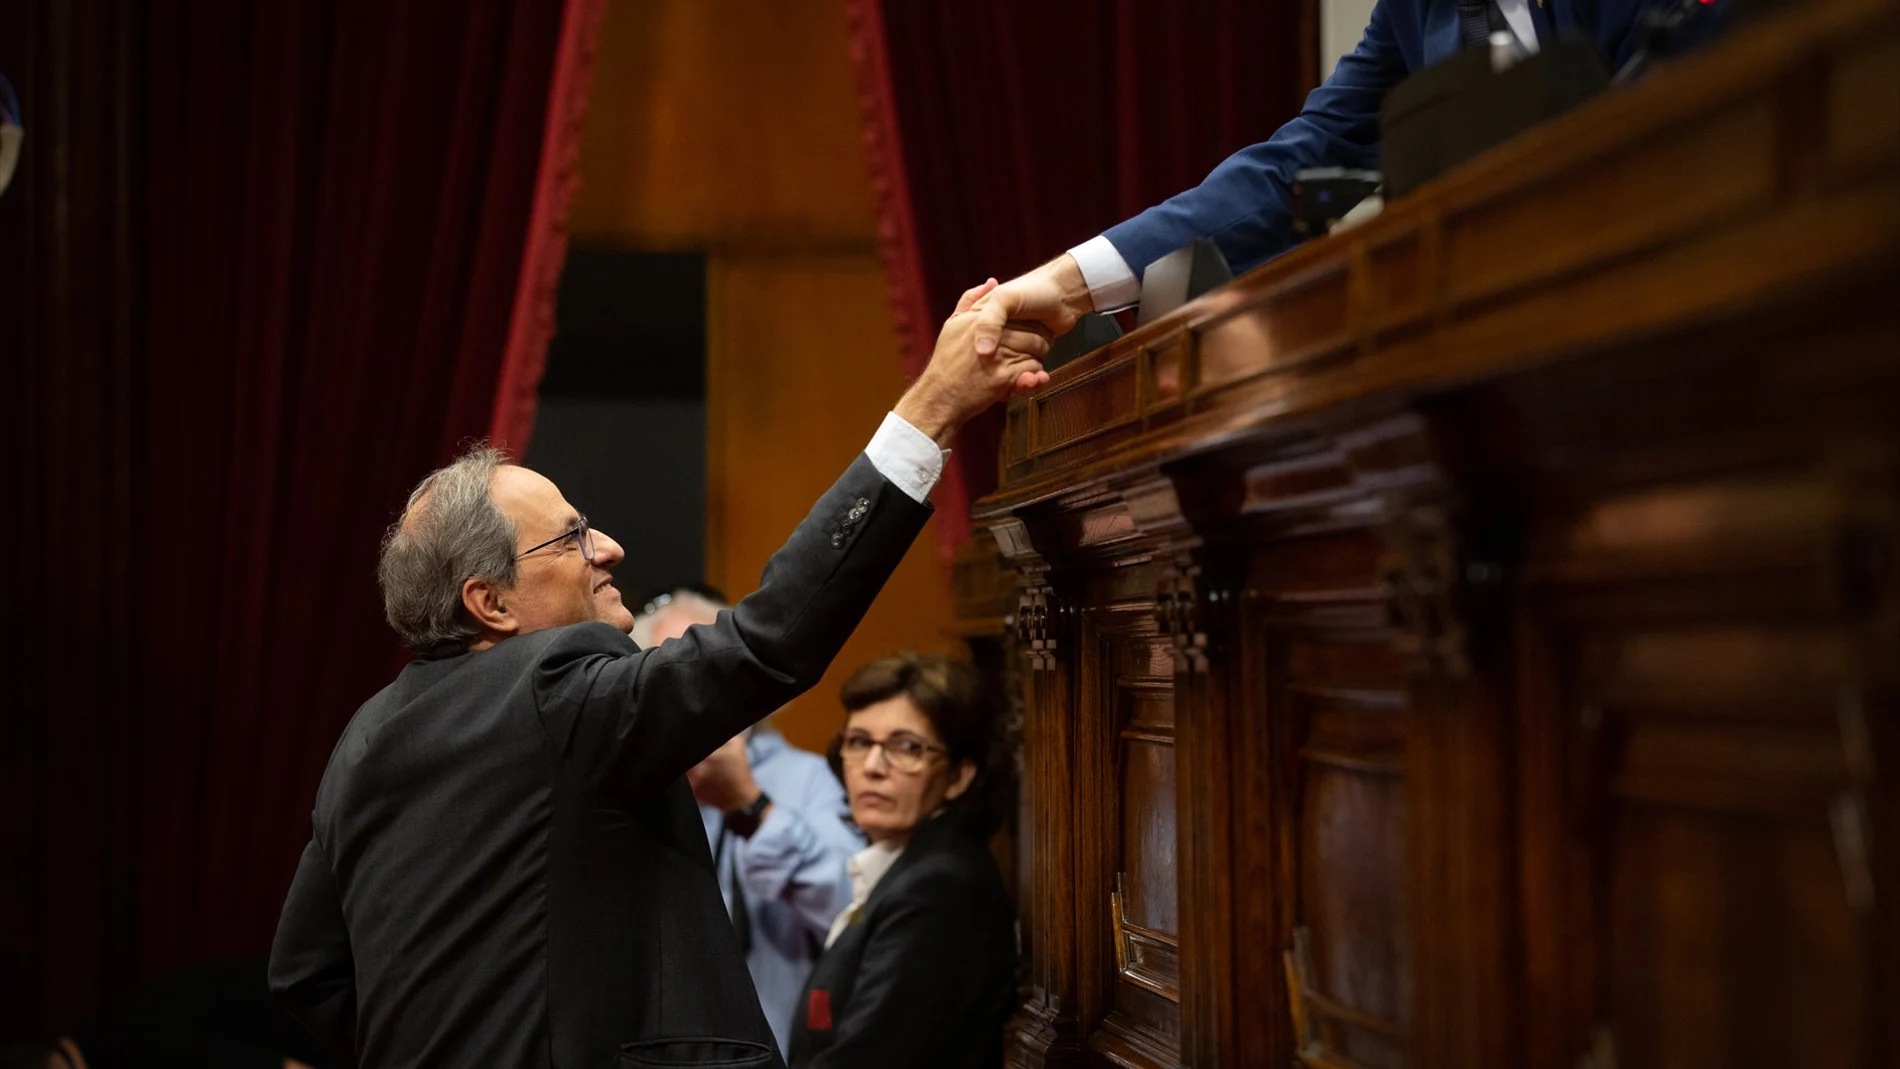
506	865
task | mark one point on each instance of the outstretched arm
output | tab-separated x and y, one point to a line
641	719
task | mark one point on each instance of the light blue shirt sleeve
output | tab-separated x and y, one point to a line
798	853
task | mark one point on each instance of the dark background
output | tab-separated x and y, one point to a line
621	425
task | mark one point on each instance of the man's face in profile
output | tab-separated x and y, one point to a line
556	585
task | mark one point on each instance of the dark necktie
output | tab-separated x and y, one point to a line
741	918
1474	22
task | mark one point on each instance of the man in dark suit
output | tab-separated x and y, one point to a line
1245	205
506	866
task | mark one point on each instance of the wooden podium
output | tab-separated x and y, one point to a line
1473	641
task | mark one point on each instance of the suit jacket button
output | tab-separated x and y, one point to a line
837	540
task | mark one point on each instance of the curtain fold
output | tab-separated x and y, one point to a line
999	134
558	177
263	267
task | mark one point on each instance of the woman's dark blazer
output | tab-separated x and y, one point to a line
926	974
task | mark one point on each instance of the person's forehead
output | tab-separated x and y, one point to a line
529	498
896	713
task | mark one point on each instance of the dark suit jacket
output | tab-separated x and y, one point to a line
1245	205
926	976
507	868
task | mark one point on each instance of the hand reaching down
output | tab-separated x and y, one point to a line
1051	297
961	382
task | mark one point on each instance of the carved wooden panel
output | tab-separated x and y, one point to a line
1337	682
1147	782
1136	674
1717	756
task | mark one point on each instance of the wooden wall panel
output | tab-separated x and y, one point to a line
718	124
732	127
794	392
1141	928
1340	684
1711	771
1688	889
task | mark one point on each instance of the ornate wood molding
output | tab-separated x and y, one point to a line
1143	956
1195	609
1420	569
1309	1009
1041	615
1192	608
1178	611
1042	1035
1394	458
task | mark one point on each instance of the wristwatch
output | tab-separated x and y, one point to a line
745	820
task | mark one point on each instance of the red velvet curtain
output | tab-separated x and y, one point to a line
1001	133
263	267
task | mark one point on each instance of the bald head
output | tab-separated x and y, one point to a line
680	610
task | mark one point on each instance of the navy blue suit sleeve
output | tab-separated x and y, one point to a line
1245	205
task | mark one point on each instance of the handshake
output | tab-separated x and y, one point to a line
993	345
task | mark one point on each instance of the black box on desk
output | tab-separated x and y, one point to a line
1457	108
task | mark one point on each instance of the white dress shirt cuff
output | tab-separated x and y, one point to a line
906	456
1517	15
1112	284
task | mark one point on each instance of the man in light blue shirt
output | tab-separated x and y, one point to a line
775	818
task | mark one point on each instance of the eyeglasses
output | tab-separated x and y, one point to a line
582	537
905	752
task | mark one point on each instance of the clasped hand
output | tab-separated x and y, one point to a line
978	361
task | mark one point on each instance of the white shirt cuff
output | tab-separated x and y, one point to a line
1517	15
1112	285
906	456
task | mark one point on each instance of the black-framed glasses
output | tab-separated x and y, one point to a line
905	752
582	537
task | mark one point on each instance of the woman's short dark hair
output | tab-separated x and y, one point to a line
963	709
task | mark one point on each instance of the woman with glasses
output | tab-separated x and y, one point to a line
920	969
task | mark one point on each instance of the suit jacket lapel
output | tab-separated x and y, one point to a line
921	844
